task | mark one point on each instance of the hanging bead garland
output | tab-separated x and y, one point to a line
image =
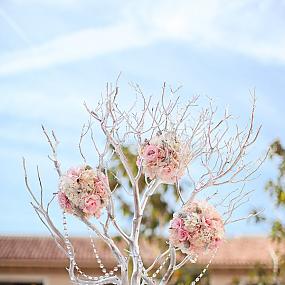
115	269
160	267
205	269
98	259
102	267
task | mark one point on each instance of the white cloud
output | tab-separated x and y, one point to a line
253	28
84	44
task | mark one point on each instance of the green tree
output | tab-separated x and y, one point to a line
276	188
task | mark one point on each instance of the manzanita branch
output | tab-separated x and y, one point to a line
171	140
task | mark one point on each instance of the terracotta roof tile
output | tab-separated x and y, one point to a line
243	251
42	250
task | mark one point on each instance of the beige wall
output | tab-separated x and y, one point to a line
59	276
225	276
47	277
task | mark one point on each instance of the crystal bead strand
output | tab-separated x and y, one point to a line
98	259
160	267
67	242
163	263
204	270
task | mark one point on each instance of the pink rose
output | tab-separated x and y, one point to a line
74	172
177	223
183	235
63	201
92	205
150	153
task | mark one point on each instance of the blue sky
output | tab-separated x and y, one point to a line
54	54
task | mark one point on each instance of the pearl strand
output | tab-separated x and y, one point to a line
204	270
98	259
67	243
115	269
160	267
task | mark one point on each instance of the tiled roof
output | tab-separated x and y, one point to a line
243	251
42	251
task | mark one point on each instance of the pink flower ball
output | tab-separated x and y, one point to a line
164	157
196	228
84	188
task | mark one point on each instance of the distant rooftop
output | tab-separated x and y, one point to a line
43	252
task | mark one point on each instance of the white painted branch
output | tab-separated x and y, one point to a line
221	158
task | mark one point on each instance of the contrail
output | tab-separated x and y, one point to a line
16	28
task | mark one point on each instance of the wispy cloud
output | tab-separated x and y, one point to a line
253	28
48	2
81	45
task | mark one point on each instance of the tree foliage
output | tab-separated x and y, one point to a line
276	188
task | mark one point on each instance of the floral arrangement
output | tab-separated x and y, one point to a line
196	228
85	189
188	136
164	157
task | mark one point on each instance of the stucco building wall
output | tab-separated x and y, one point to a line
59	276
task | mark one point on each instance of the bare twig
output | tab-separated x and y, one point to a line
219	152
